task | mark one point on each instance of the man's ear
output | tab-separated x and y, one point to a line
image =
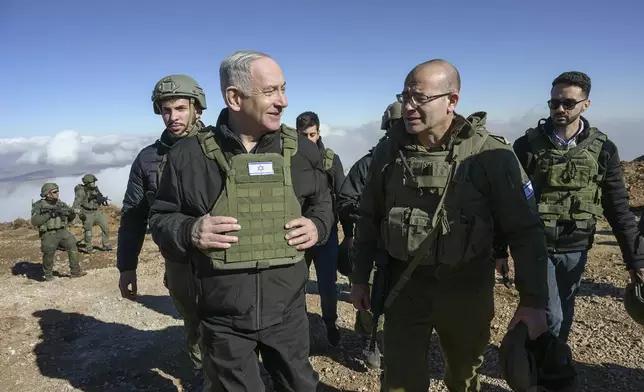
233	99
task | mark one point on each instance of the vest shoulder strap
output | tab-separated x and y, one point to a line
289	138
211	149
593	143
328	158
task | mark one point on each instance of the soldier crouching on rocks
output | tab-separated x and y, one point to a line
51	216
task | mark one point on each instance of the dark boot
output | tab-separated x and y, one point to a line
333	334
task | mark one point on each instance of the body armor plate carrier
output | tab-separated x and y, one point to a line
567	182
259	194
435	213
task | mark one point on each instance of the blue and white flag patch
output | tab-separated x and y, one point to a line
528	190
260	168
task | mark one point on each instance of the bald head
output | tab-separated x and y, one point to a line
442	73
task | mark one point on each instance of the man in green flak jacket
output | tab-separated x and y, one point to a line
436	193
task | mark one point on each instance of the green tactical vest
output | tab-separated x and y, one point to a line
52	223
567	181
259	194
435	214
86	203
328	158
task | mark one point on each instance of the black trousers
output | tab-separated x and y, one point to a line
230	361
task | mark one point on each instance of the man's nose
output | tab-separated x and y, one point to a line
282	100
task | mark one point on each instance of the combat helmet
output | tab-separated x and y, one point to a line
543	364
47	187
89	178
393	112
634	302
178	86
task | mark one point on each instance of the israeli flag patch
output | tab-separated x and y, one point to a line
528	190
260	168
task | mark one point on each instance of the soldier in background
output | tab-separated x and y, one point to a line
325	257
349	207
180	101
51	216
88	198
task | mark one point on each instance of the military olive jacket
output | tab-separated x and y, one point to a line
496	174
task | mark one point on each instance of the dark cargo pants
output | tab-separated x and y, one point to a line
91	218
460	308
178	279
230	360
49	243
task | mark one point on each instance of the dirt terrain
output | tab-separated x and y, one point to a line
80	335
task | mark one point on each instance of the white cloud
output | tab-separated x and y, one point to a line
27	163
70	147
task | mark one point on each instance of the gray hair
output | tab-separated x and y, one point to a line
235	71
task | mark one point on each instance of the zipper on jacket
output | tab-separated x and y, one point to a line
258	304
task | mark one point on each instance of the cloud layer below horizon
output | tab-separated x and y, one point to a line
27	163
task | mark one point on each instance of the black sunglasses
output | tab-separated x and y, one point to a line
567	103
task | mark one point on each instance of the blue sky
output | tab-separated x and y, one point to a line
91	66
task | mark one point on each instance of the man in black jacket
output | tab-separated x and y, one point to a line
180	101
576	176
242	200
348	201
325	257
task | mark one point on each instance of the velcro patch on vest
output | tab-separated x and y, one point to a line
528	190
260	168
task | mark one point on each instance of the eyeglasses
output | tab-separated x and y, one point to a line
567	103
418	99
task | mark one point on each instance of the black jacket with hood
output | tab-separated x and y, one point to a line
191	183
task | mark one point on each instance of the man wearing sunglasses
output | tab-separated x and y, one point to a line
436	191
576	176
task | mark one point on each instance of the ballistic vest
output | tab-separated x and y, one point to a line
85	202
259	193
43	207
435	213
429	194
567	181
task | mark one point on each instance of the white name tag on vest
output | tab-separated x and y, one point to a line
260	168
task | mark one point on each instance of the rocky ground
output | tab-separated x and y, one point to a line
79	335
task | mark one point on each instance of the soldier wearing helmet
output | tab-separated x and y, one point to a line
87	201
348	207
51	216
391	114
180	101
